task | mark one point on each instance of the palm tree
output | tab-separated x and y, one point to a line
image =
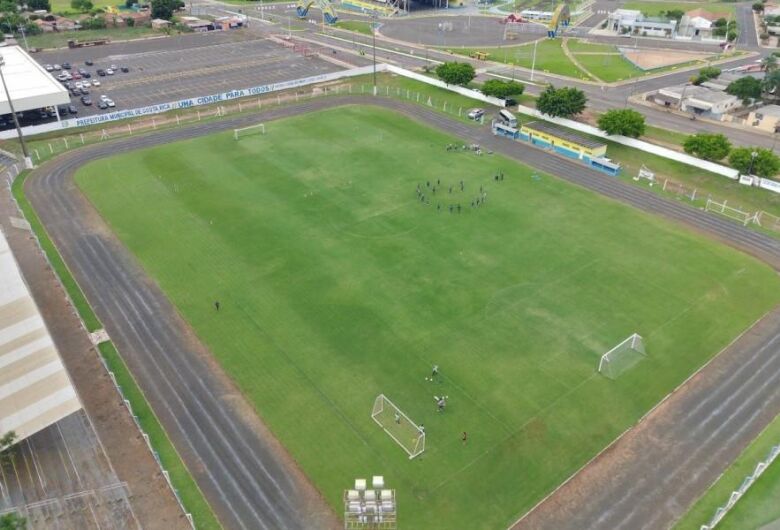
771	84
769	63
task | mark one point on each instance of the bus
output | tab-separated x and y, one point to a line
507	118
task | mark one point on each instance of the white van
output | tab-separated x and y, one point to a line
507	118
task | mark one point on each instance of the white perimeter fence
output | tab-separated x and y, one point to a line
721	512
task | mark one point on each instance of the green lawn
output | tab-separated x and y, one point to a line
654	8
579	46
355	25
609	68
63	6
759	506
60	40
338	284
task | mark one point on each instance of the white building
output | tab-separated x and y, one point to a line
697	100
633	22
699	24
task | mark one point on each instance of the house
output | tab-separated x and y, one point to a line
633	22
161	23
197	24
119	20
700	24
51	23
766	118
538	16
723	81
232	22
697	100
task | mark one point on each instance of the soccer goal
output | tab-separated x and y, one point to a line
246	131
399	426
622	357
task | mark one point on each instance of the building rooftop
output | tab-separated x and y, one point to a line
712	17
30	86
562	133
769	110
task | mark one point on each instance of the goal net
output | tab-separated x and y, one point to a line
622	357
246	131
399	426
728	211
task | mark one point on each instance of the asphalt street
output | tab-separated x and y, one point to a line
247	478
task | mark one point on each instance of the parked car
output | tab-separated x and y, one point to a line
64	76
76	75
114	67
52	112
86	75
72	109
109	102
89	62
57	67
49	68
84	91
86	100
95	82
66	66
125	69
63	110
102	105
101	72
475	114
109	71
43	114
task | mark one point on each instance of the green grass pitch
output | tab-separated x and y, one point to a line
338	284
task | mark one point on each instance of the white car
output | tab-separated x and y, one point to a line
110	102
78	84
49	68
103	97
109	71
64	76
57	67
113	67
475	114
95	82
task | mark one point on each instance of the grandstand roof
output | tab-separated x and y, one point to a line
30	85
563	134
35	390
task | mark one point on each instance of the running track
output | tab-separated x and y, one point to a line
251	482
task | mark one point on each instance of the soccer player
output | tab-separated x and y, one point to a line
434	371
441	402
397	418
464	436
216	305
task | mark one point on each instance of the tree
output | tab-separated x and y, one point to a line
456	73
732	36
82	6
565	102
758	7
745	88
502	89
705	74
771	83
7	442
754	161
12	521
130	3
769	63
129	22
712	147
675	14
627	122
35	5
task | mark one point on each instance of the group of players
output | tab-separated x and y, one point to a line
424	193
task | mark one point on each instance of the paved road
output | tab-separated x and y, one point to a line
245	476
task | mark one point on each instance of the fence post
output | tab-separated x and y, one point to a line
82	138
459	110
665	181
37	155
693	195
129	129
198	111
178	123
65	141
154	124
239	107
51	151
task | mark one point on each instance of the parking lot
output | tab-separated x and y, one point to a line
169	69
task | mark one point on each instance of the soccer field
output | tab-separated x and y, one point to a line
336	284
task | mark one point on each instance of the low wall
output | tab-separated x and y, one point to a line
189	103
473	94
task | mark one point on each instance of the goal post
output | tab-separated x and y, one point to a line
622	357
252	129
405	432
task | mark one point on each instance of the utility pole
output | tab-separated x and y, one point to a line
27	159
533	61
373	46
24	37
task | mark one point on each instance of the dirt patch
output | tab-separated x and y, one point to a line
652	59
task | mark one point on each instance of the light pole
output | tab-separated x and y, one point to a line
24	38
753	156
27	160
533	61
373	46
